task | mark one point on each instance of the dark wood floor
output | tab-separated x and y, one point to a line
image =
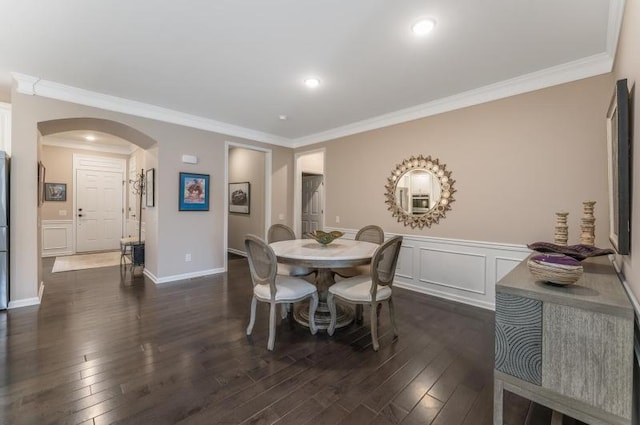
101	349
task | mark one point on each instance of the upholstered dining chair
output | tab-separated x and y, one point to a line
370	233
280	232
272	288
370	289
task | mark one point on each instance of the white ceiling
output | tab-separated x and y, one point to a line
235	66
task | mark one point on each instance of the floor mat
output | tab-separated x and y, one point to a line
86	261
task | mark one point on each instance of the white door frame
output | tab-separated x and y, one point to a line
297	188
95	162
267	189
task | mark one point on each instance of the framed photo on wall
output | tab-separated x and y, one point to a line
194	192
618	148
240	198
150	188
55	192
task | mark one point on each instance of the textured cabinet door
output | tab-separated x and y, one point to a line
584	357
519	337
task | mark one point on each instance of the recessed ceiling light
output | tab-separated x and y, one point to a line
282	117
423	26
312	83
90	138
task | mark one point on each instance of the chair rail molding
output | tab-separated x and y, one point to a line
57	238
458	270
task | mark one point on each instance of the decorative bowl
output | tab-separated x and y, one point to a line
325	238
579	252
555	268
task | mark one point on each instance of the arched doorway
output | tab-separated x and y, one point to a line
96	177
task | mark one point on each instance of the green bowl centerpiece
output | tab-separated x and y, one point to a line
325	238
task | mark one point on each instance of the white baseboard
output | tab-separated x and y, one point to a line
183	276
25	302
237	252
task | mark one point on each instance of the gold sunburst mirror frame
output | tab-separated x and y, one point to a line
419	204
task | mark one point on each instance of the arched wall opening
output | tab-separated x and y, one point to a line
62	163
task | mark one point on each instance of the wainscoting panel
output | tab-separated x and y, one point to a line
405	267
57	237
458	270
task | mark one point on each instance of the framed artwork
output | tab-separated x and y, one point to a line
55	192
619	169
194	192
150	188
41	173
240	198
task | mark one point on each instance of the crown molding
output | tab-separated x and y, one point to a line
34	86
572	71
565	73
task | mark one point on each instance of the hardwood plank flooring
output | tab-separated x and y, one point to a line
108	348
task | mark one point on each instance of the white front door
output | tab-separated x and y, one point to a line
312	193
98	210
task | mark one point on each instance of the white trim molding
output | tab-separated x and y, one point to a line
183	276
572	71
57	237
597	64
35	86
25	302
458	270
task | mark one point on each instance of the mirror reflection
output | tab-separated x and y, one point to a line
419	191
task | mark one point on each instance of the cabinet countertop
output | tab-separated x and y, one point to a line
599	288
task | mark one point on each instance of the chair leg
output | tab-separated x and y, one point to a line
272	326
359	314
374	326
392	315
313	305
252	319
284	310
331	303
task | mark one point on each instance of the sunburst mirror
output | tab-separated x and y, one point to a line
419	191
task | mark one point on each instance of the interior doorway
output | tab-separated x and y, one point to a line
309	191
248	194
312	213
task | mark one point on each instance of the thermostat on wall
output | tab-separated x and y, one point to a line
189	159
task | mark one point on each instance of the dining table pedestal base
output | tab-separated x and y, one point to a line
324	279
323	316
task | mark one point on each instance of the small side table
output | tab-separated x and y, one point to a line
133	250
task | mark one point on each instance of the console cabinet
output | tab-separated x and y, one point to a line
569	348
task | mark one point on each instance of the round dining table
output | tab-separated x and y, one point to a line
338	254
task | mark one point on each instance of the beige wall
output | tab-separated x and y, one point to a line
627	66
170	233
516	161
247	165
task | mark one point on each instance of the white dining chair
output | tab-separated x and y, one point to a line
370	289
280	232
272	288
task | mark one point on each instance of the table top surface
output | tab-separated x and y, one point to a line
338	250
599	288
